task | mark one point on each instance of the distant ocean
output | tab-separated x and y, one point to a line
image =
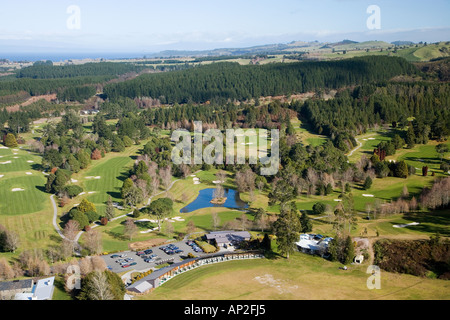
56	57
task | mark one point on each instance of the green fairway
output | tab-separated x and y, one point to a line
111	173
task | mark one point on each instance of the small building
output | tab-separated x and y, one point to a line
8	289
226	238
359	259
313	244
44	288
28	289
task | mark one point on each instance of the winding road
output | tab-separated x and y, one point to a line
77	238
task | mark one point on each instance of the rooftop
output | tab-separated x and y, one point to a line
16	284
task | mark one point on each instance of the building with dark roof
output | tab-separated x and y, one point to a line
8	289
229	237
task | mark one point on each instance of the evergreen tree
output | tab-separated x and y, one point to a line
287	228
367	183
305	222
10	141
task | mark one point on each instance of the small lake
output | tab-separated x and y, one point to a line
206	195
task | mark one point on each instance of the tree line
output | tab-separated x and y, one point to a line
224	81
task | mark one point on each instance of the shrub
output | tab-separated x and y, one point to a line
367	183
73	190
104	221
319	208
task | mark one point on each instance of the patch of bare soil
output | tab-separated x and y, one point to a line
140	245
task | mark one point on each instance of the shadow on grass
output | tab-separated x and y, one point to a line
433	222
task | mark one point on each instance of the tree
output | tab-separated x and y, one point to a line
86	206
401	170
161	208
261	219
215	220
305	222
286	229
80	217
130	229
442	149
405	192
127	185
109	212
96	154
349	251
93	241
410	137
319	208
134	196
102	285
10	141
367	183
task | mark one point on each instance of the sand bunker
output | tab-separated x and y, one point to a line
218	181
6	162
73	180
28	173
2	175
368	195
91	177
337	200
405	225
30	161
17	189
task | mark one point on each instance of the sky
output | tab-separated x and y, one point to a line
147	26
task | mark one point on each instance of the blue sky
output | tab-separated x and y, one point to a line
150	26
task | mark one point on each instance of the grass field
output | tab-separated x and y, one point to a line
302	277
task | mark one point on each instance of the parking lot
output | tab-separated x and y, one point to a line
117	262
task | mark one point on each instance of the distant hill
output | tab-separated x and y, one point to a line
402	43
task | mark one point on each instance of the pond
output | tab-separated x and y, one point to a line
206	195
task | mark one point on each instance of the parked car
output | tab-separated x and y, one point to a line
140	253
115	256
148	251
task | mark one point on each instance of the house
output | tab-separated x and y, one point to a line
28	289
313	244
226	238
8	289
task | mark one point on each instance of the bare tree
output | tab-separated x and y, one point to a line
6	271
166	176
98	264
85	265
71	229
215	220
99	288
130	228
93	241
12	241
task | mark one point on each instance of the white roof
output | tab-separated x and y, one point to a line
24	296
143	286
44	289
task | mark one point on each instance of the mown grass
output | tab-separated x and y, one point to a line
302	277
